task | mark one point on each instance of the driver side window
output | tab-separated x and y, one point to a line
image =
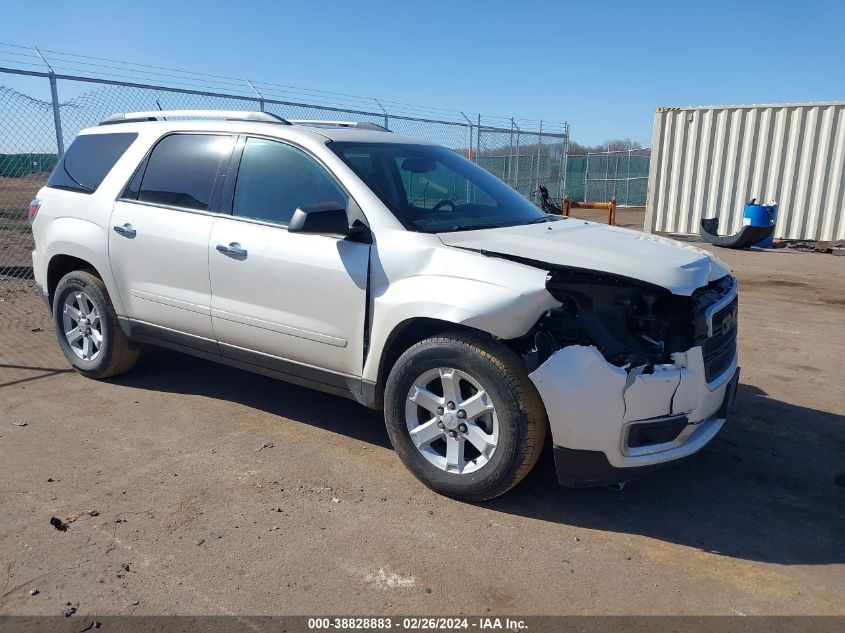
274	179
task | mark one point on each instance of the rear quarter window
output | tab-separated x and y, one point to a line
88	160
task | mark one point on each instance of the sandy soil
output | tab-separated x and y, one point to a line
192	518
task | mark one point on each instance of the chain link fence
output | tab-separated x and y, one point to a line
33	134
598	176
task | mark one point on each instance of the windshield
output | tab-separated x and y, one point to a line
432	189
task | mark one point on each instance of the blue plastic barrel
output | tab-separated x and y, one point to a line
761	215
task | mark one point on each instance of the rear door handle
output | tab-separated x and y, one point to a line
126	230
233	250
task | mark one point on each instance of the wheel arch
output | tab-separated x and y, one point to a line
60	265
406	334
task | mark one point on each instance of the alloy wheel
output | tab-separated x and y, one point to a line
83	327
451	420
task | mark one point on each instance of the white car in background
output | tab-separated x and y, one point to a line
354	261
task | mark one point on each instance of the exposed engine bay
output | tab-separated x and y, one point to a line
630	322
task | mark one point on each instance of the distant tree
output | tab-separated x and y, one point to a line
613	145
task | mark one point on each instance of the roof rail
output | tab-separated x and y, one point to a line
159	115
360	125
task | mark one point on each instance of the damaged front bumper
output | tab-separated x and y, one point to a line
611	424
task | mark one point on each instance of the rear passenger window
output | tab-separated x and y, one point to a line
275	178
182	168
88	160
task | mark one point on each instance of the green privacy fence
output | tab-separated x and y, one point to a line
599	176
21	165
596	177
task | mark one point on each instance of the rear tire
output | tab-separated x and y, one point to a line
463	416
87	327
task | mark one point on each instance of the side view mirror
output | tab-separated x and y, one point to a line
326	218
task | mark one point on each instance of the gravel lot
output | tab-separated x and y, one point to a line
192	518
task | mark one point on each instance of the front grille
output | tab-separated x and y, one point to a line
712	293
720	349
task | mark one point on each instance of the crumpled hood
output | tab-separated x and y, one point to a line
676	266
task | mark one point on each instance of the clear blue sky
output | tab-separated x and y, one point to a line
603	66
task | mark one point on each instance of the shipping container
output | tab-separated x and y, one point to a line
709	161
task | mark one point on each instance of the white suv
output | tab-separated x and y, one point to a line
361	263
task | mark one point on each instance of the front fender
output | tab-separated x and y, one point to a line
496	296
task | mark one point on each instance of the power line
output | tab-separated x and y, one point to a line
135	71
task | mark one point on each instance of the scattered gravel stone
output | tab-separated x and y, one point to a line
19	423
200	541
37	329
125	566
335	500
34	591
215	535
428	589
134	600
267	444
69	610
93	513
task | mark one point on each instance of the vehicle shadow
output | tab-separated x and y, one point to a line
770	487
163	370
17	272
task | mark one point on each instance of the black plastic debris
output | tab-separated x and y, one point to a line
57	523
748	235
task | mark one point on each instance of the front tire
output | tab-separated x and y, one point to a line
463	416
87	328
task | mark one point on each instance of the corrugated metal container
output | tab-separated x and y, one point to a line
708	162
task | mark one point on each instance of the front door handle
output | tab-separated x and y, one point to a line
126	230
232	250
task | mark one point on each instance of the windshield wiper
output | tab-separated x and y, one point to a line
85	188
471	227
545	218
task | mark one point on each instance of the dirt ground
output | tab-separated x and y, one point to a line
15	236
192	518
